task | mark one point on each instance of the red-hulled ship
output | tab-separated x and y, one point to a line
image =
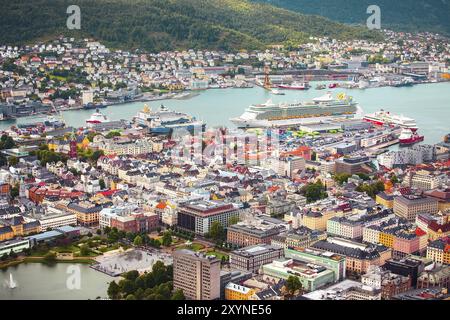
386	118
97	117
408	137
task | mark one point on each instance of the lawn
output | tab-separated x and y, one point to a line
217	254
193	247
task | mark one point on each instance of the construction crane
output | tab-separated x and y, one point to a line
267	84
59	114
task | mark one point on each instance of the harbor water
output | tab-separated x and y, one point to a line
428	104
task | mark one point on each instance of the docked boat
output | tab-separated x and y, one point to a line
333	85
277	92
320	109
165	121
52	122
295	86
91	105
97	117
386	118
408	137
405	82
321	87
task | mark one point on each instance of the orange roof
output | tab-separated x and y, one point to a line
161	205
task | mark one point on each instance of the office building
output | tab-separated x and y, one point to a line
197	216
196	274
408	206
251	258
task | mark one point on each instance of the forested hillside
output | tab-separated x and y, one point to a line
409	15
157	25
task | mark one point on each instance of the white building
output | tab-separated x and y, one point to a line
55	218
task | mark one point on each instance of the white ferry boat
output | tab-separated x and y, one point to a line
97	117
385	117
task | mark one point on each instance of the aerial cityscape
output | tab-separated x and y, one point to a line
296	158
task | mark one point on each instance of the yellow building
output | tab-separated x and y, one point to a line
87	213
83	144
387	239
17	227
385	200
236	292
439	251
6	233
317	220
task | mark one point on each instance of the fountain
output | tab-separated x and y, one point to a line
11	284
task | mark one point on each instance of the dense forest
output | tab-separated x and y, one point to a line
408	15
157	25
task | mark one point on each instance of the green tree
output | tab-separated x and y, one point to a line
3	160
178	295
12	161
394	179
314	191
112	134
6	142
138	241
293	285
127	286
102	184
166	239
113	290
132	275
217	232
233	220
14	191
341	177
96	155
84	250
50	257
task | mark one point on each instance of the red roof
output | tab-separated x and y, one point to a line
107	193
420	232
273	188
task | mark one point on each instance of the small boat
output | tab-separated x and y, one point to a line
277	92
321	87
333	85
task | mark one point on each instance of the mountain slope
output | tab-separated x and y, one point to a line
408	15
169	24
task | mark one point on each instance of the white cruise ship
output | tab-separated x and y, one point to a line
320	109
